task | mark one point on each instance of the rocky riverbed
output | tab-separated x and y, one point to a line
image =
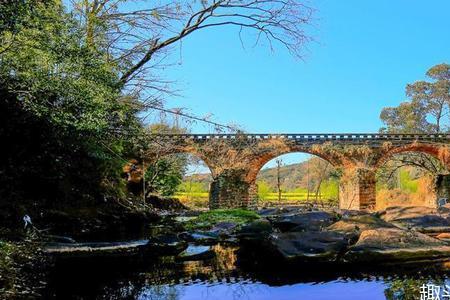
294	235
290	253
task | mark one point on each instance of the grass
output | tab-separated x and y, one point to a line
187	195
13	276
210	218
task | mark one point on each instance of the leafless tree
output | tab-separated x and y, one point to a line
420	161
279	163
138	35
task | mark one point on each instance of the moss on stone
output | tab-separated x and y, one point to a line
207	220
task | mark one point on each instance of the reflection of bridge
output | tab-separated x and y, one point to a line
235	159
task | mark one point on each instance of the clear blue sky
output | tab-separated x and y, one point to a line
365	54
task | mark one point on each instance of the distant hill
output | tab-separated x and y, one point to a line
291	176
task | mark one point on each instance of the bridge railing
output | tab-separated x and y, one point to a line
318	137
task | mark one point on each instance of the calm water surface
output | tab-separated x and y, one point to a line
226	276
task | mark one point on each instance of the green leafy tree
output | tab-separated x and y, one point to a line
164	173
165	176
263	189
64	121
427	108
426	111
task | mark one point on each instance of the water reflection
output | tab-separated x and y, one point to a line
226	276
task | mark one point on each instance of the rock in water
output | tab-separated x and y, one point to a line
194	253
167	244
96	249
393	244
307	221
309	246
200	237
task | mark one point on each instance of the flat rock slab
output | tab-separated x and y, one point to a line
358	223
307	221
309	246
406	212
425	224
96	248
391	244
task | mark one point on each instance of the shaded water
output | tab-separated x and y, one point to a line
227	276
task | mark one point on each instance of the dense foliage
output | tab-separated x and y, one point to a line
64	122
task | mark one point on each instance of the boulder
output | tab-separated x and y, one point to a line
259	229
394	244
223	229
306	221
167	244
309	246
200	237
358	223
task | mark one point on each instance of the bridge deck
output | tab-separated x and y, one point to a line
319	137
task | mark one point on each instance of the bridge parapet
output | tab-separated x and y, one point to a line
350	138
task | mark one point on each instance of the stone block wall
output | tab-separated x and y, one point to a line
357	190
230	190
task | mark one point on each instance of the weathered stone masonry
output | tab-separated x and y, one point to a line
235	160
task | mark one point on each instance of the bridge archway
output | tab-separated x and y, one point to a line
184	173
296	177
194	190
410	178
261	160
440	152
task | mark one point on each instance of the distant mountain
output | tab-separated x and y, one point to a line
291	176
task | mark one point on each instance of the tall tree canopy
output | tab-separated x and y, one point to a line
427	109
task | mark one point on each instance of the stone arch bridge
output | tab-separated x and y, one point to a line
236	159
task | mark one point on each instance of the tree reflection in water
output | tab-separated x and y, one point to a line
222	277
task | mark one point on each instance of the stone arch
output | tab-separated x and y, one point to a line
260	160
134	169
195	152
438	151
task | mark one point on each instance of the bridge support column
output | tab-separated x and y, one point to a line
230	190
442	187
357	189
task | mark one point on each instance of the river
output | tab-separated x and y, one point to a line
227	275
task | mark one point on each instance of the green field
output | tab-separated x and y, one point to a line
200	199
